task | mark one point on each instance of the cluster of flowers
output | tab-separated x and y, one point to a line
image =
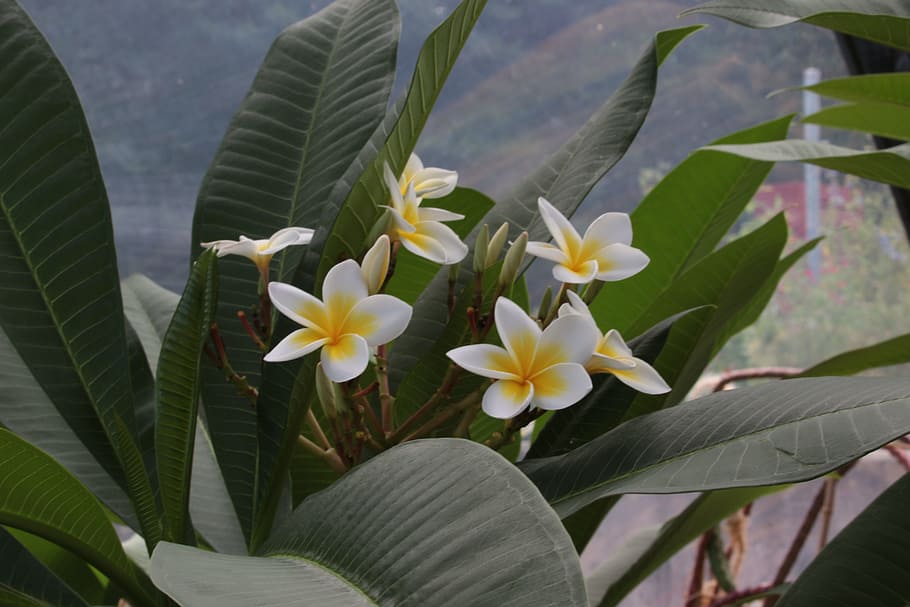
547	367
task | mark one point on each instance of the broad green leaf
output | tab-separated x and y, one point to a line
894	351
875	118
177	393
148	308
683	219
775	433
278	162
11	597
875	88
883	21
389	533
867	563
891	165
565	178
59	290
647	549
24	573
39	496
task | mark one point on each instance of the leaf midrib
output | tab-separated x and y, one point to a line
322	567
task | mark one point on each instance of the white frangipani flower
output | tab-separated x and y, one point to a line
345	324
375	264
419	229
429	182
612	355
603	253
260	251
536	368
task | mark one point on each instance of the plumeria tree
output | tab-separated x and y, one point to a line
333	411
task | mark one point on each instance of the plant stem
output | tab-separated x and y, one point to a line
694	593
442	393
329	456
386	400
471	399
315	426
240	382
464	425
899	455
739	595
753	373
557	301
827	511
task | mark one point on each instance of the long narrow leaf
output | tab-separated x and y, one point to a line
894	351
24	573
868	117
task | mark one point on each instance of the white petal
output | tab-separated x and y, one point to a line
378	319
216	244
614	346
560	386
485	360
287	237
455	249
413	167
578	304
642	377
619	261
244	247
609	228
434	183
518	332
346	358
563	233
298	305
298	343
344	286
392	184
399	223
570	339
375	264
422	245
434	214
505	399
584	274
606	364
546	251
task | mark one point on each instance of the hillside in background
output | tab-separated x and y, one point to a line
161	80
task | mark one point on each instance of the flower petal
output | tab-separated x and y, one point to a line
606	364
287	237
434	214
399	223
414	166
375	264
564	234
607	229
434	183
518	332
582	274
244	247
642	377
443	239
619	261
546	251
345	359
614	346
578	305
560	386
570	339
505	399
394	189
485	360
378	319
343	287
298	305
422	245
298	343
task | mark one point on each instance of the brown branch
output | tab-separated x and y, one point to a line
694	593
902	458
739	595
754	373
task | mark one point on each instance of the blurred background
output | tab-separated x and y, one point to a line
160	80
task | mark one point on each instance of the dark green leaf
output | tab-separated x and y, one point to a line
389	533
884	21
778	432
23	572
875	118
868	563
877	88
894	351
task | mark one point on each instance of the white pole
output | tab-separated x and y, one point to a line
812	173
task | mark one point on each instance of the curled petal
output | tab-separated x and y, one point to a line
613	345
423	245
576	305
618	261
434	183
436	242
244	247
343	287
605	364
399	223
581	274
346	358
563	233
434	214
641	376
298	343
378	319
546	251
560	386
287	237
607	229
519	334
394	189
485	360
414	166
298	305
505	398
570	339
375	264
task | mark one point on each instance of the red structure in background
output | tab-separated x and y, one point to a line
790	197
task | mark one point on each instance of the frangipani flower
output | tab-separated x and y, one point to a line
375	265
346	324
260	251
420	229
536	368
603	253
428	182
612	355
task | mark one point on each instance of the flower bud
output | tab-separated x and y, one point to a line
511	264
326	392
497	242
480	249
380	227
375	264
545	302
454	269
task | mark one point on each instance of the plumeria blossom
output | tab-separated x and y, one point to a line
428	182
612	355
260	251
603	253
535	368
375	264
345	324
420	229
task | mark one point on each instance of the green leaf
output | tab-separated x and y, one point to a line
891	89
883	21
682	220
278	162
148	308
389	533
647	549
891	166
24	573
875	118
177	394
39	496
778	432
894	351
867	563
